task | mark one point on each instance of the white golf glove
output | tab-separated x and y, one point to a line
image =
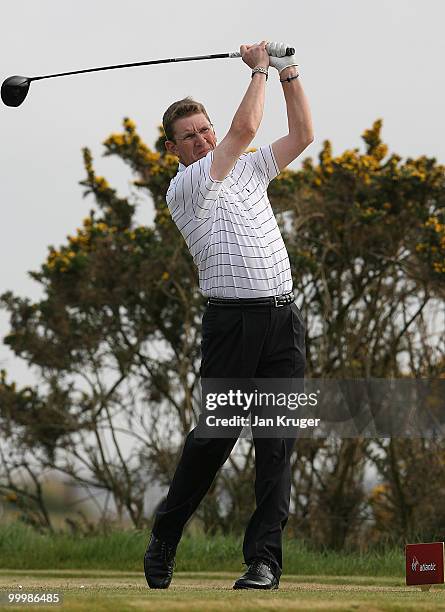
278	58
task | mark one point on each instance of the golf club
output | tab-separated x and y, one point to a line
15	88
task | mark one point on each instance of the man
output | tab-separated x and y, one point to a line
251	327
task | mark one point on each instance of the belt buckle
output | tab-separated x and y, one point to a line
277	305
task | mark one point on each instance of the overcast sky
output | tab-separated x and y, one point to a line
359	61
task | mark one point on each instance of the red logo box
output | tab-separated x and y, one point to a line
424	563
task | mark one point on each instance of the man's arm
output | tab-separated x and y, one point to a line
247	118
299	120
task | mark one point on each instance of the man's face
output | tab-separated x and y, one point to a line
194	138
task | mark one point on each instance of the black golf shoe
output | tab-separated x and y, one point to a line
258	576
159	562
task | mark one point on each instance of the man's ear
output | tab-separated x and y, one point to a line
171	147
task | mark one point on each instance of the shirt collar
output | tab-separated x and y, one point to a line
181	166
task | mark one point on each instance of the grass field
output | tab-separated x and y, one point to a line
313	580
22	548
87	590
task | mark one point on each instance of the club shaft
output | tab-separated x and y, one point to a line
149	63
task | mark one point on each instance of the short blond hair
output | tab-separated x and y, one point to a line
181	108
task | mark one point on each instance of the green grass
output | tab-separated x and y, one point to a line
104	573
23	548
86	590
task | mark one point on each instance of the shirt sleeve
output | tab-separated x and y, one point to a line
264	164
194	192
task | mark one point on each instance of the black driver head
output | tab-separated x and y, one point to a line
15	90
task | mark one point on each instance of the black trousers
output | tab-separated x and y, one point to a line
241	342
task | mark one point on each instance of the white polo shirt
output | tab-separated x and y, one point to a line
230	228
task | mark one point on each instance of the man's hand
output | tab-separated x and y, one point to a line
280	63
255	55
247	118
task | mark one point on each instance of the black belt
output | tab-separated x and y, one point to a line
275	300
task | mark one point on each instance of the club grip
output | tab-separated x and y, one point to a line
289	51
275	49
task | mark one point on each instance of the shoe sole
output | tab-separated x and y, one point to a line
261	588
156	586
